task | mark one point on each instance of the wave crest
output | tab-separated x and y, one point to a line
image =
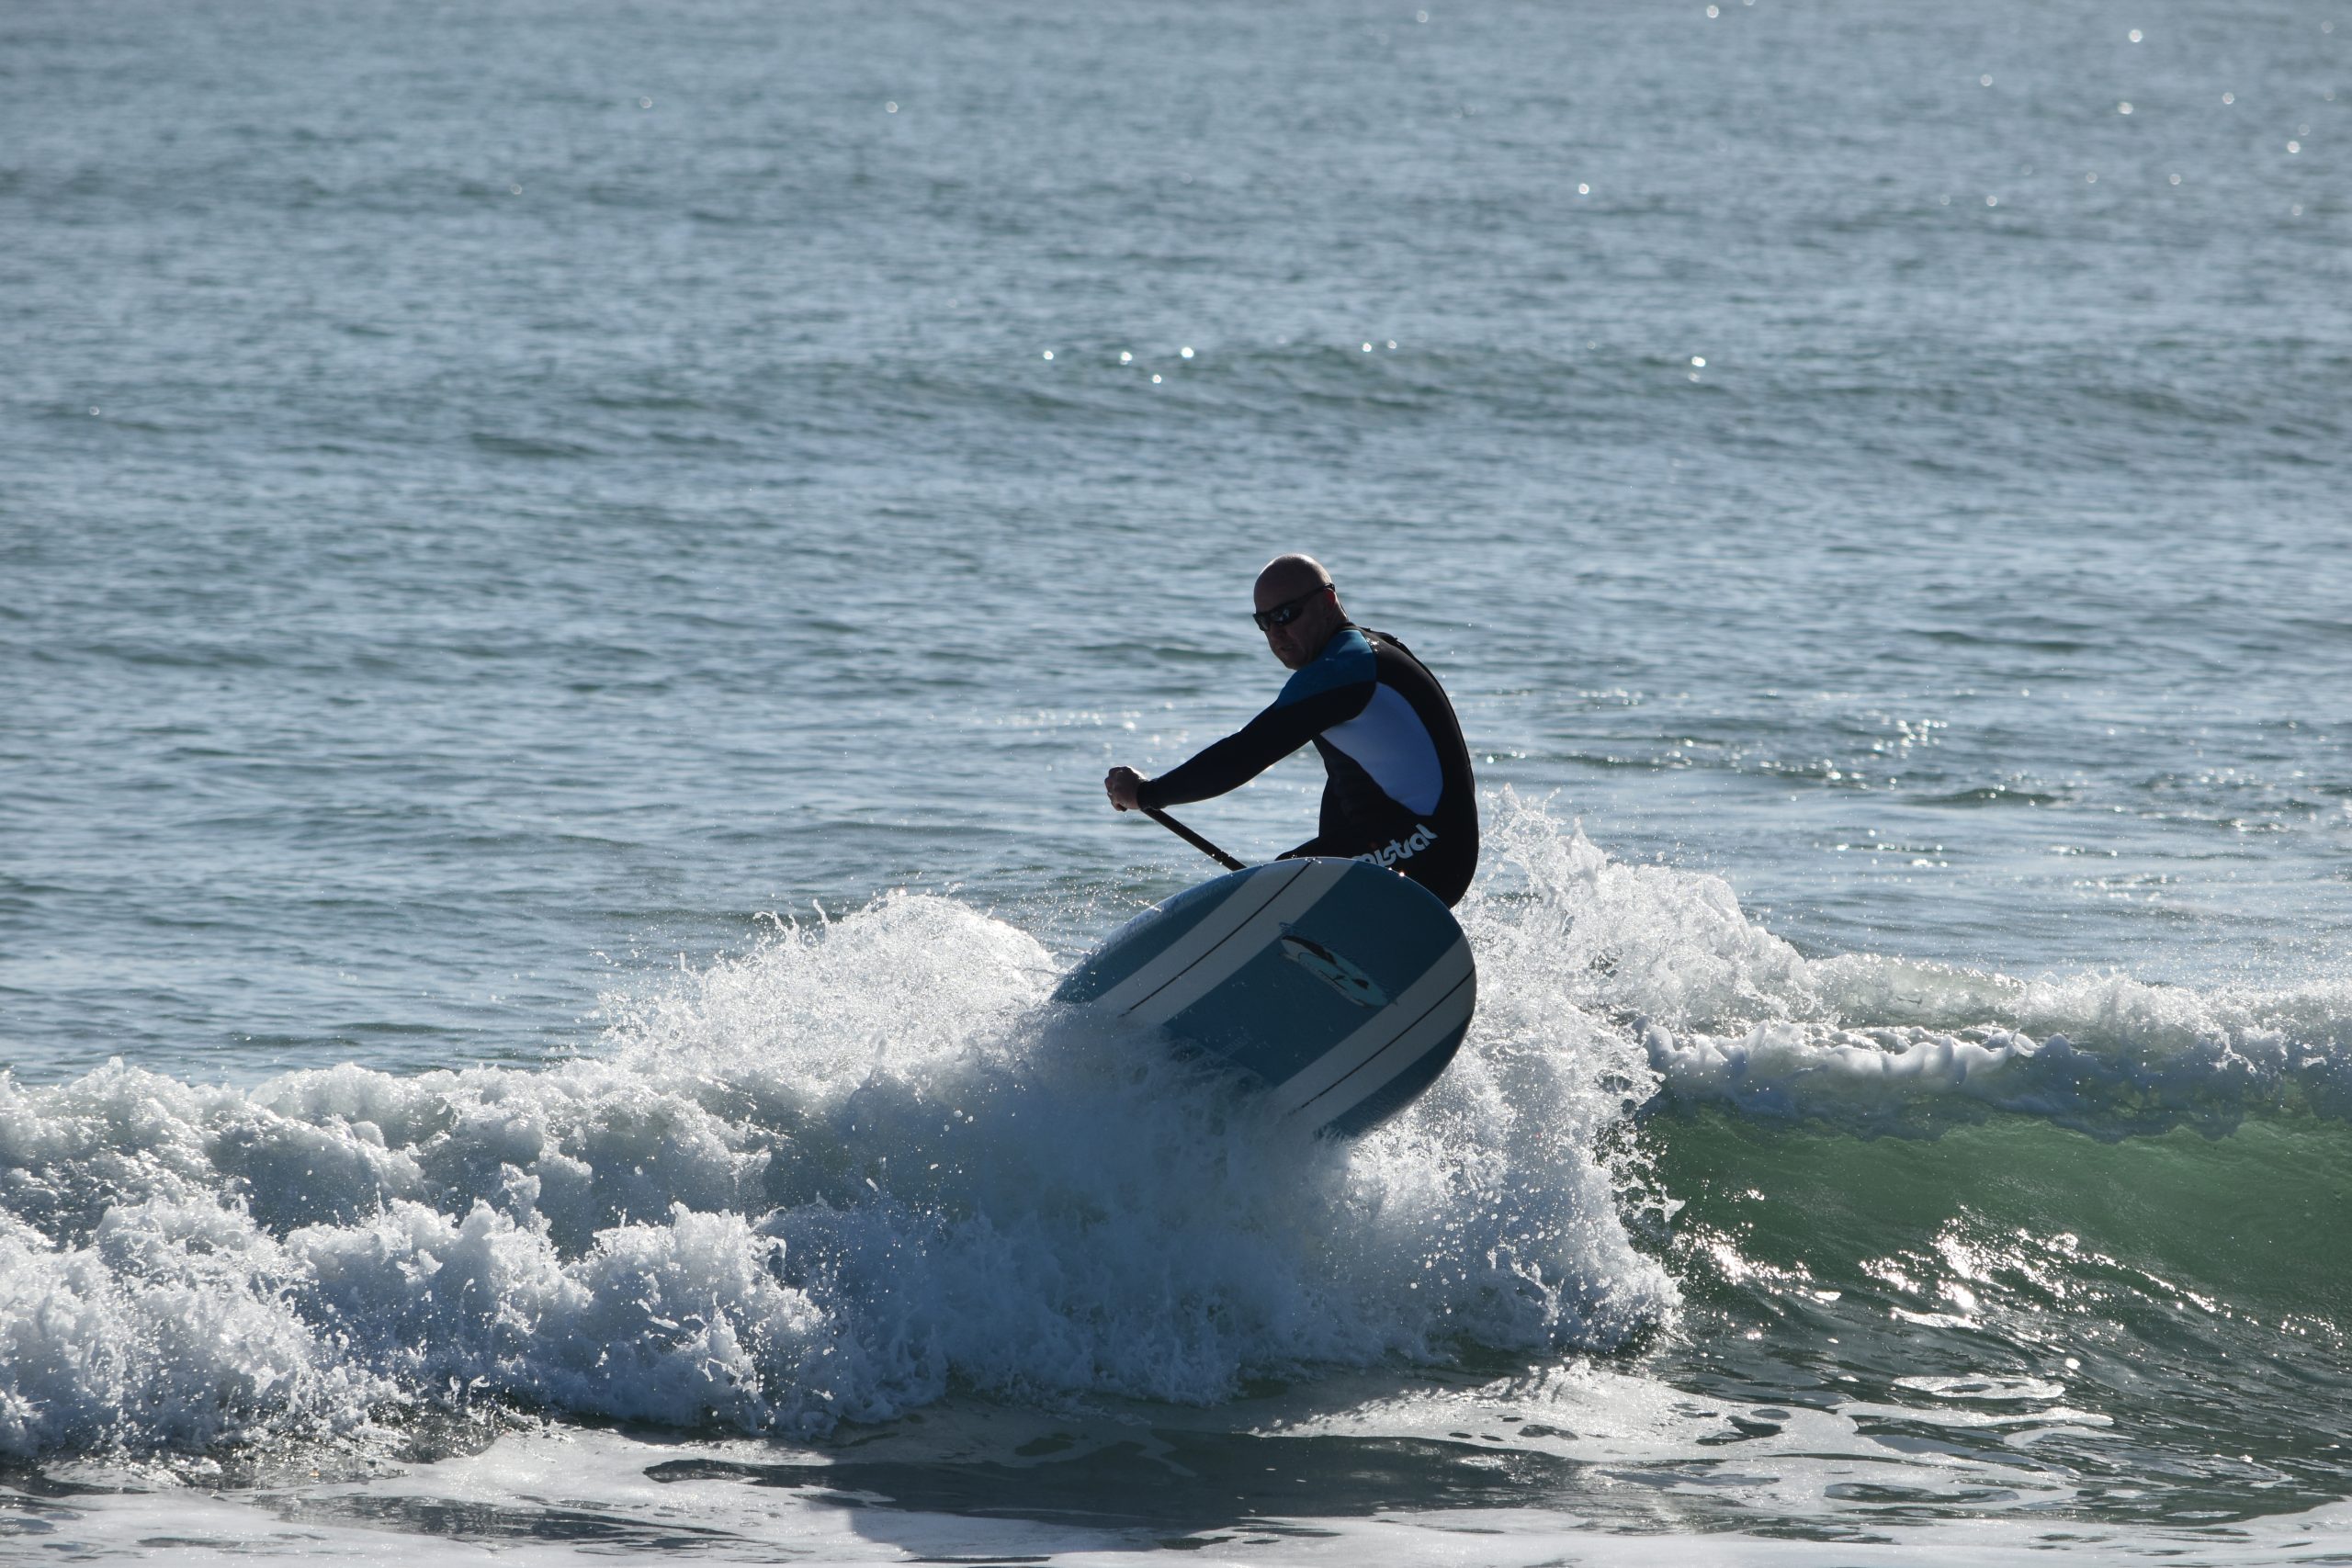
822	1181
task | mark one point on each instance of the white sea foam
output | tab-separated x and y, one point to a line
1914	1080
823	1180
1729	1014
867	1161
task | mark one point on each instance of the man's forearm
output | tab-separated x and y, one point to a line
1251	749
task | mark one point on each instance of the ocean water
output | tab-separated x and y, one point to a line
569	575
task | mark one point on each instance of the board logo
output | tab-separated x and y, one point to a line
1333	970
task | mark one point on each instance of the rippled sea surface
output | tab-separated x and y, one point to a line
568	574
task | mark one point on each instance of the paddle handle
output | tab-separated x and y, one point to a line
1193	839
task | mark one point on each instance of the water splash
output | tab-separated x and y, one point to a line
867	1160
1728	1014
824	1179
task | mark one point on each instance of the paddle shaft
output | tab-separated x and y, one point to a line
1193	839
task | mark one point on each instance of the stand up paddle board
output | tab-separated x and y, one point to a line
1342	988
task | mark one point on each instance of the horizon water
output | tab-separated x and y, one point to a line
569	576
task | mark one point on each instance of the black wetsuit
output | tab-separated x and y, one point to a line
1399	792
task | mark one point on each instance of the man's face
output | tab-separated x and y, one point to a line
1299	639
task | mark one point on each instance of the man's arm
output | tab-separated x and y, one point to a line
1249	751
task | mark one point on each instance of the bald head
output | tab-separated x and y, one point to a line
1297	589
1287	577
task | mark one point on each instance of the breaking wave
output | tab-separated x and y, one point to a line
829	1178
867	1162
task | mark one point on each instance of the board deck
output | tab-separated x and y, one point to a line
1342	988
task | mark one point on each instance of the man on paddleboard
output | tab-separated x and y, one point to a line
1398	791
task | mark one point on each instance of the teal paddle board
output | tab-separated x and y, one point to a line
1338	989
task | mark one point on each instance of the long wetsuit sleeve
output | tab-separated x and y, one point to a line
1255	746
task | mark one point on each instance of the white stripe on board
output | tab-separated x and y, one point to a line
1448	1017
1419	1015
1214	967
1251	895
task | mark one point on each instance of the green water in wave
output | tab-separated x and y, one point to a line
2155	1325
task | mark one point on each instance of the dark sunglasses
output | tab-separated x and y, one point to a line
1288	609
